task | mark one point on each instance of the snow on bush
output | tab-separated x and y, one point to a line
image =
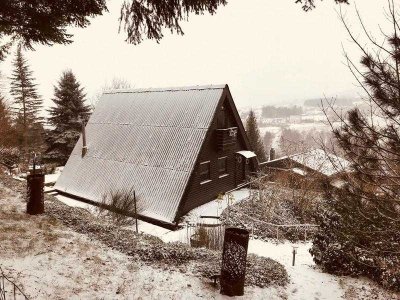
151	249
276	205
339	248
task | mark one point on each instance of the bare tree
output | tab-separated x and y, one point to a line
116	83
363	218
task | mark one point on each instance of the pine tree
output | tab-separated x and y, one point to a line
360	227
27	105
253	133
5	123
66	116
9	154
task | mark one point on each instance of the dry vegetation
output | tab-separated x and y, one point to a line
94	252
273	203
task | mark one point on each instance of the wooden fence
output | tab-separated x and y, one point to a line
9	290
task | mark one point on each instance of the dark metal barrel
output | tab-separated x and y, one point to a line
234	256
35	196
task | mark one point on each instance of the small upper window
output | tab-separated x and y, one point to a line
222	165
204	171
222	118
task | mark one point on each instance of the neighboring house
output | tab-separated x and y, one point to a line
177	147
310	164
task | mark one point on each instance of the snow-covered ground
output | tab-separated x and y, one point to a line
216	207
213	208
49	179
307	281
49	261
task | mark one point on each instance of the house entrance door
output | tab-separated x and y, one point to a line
240	169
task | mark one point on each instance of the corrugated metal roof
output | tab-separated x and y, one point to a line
148	139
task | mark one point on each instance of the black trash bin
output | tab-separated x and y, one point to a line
35	196
234	255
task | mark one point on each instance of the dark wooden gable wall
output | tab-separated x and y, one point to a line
199	191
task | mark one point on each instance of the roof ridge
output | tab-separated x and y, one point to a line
167	89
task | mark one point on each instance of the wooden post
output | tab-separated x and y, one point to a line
294	255
84	146
187	233
34	163
136	220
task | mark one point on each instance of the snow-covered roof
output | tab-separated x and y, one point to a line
247	154
299	171
146	139
319	160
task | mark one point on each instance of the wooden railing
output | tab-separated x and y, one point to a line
226	138
8	289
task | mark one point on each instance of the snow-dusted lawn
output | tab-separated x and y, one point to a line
308	282
49	261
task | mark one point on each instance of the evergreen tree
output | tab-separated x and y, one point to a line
253	133
66	116
27	105
9	154
45	21
360	227
5	124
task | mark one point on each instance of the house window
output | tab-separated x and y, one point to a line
222	118
222	166
204	170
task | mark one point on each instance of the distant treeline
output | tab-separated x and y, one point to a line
270	111
337	101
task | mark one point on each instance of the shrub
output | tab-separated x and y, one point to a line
347	243
119	206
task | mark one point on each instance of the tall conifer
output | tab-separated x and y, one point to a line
5	123
27	105
66	117
253	133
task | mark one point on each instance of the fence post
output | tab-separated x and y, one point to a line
234	255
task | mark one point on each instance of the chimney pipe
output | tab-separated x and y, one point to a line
272	154
84	146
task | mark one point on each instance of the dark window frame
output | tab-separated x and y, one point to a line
205	175
222	172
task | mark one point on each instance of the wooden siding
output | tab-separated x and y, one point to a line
199	192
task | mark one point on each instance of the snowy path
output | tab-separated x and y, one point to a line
307	282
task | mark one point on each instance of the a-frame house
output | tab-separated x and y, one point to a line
178	148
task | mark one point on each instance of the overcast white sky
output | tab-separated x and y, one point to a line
268	51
